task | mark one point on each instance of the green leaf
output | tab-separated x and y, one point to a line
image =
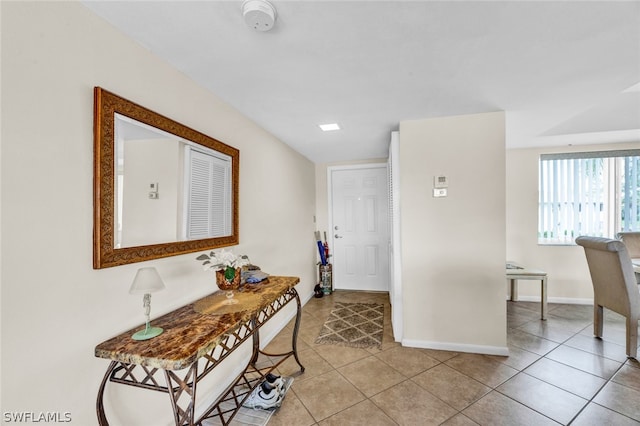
202	257
229	273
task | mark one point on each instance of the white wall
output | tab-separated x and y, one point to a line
55	307
453	248
145	220
566	266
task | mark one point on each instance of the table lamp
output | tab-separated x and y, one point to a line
146	281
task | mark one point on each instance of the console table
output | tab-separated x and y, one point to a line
517	272
197	338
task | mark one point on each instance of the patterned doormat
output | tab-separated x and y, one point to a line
357	325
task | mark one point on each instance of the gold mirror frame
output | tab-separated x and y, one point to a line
106	105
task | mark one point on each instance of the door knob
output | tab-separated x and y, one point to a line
337	236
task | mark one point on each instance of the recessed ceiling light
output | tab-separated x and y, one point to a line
328	127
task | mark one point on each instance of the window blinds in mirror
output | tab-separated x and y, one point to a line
209	191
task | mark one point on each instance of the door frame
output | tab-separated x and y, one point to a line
330	170
395	249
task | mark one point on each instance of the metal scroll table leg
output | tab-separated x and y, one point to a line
296	328
102	418
256	342
177	386
294	339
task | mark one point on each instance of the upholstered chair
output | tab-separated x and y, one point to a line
614	285
632	241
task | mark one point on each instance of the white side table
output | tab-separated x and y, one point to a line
516	271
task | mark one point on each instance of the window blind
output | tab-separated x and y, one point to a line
209	195
588	193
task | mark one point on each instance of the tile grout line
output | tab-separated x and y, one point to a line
564	343
596	394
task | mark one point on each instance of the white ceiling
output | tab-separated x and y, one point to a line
563	70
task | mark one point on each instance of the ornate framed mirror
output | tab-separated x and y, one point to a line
160	188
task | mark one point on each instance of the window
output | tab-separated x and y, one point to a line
588	193
209	194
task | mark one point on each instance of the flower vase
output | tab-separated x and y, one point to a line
228	286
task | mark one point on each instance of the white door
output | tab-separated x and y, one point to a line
360	229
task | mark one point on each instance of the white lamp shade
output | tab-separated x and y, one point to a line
147	280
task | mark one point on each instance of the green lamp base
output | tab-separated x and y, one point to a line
147	333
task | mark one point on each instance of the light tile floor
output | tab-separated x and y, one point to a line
557	373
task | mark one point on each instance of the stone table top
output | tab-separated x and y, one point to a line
194	329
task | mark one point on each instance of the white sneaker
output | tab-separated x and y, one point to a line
264	396
276	382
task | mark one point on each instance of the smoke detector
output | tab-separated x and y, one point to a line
259	14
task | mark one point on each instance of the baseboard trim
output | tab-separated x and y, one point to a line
564	300
457	347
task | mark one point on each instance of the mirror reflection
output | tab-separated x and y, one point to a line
167	188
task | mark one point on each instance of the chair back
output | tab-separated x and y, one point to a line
614	282
632	241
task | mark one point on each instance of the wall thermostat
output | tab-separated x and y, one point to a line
440	181
153	191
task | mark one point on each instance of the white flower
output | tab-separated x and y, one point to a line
222	260
227	258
